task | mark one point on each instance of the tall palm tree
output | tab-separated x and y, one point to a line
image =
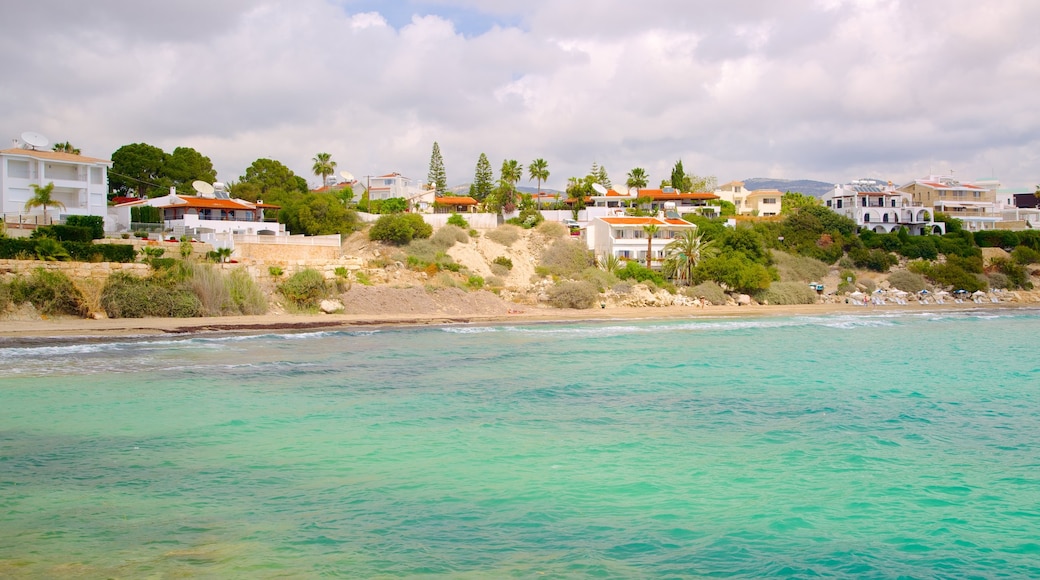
65	147
323	166
637	178
683	254
512	172
539	170
42	198
650	230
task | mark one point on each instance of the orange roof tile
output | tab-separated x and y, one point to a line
455	200
661	195
207	203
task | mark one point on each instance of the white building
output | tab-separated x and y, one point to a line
975	204
881	208
185	214
394	185
80	183
626	237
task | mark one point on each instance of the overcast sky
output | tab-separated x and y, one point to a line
833	90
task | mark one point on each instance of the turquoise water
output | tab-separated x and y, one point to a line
844	446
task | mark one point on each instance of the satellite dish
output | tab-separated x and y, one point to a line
346	175
599	189
34	139
204	189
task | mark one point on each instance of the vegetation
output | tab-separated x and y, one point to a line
566	258
907	281
399	228
42	197
50	292
458	221
143	170
785	293
709	291
539	170
437	176
573	294
305	289
483	180
506	234
323	167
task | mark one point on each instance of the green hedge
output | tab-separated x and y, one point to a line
15	248
63	233
18	248
96	224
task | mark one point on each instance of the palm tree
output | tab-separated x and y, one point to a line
539	169
65	147
637	178
683	254
42	198
650	230
323	166
512	172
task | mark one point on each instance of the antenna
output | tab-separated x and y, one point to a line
204	189
346	175
599	189
34	139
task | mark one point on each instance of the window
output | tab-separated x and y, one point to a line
839	204
866	218
828	203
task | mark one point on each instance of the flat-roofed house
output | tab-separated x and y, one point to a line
626	237
975	204
881	208
80	183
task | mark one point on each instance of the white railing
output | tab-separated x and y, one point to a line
330	241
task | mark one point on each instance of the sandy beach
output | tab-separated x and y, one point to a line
18	331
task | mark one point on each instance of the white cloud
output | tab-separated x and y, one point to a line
832	90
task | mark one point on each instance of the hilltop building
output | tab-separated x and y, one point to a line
80	183
880	207
975	204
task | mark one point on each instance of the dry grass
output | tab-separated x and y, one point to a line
506	234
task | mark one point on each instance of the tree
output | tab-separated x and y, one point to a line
186	165
793	201
482	180
682	181
637	178
682	255
65	147
323	167
599	173
436	177
650	230
678	176
511	173
316	214
136	169
272	176
42	198
539	170
577	190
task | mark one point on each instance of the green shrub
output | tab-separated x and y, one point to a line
127	296
448	236
601	278
907	281
95	223
50	250
1015	273
794	268
875	260
362	278
161	263
475	282
996	239
340	272
88	252
399	228
304	289
152	251
506	234
275	271
63	233
1025	255
246	294
709	291
736	271
12	248
145	214
552	230
566	257
635	271
786	293
52	293
573	294
998	280
458	221
503	261
207	282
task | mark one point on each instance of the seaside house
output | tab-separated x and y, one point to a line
80	183
975	204
393	185
684	202
455	204
759	202
626	237
881	208
186	214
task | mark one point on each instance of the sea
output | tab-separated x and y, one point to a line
885	444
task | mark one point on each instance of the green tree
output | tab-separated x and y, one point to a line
323	167
65	147
683	254
511	173
599	174
577	190
437	177
483	179
637	178
316	214
539	170
682	181
650	230
186	165
268	176
42	197
136	170
678	178
793	201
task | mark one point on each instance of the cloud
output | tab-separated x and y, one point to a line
804	89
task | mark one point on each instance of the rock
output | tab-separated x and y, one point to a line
330	306
743	300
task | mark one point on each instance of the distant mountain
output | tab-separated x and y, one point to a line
803	186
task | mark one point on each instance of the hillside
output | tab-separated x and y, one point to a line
804	186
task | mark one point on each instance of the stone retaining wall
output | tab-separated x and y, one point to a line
74	270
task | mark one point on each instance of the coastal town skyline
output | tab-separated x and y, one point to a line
825	90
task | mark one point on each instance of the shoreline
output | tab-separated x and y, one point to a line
15	333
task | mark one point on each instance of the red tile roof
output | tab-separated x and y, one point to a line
644	221
207	203
661	195
456	200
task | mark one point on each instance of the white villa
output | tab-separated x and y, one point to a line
185	214
80	183
626	238
760	202
881	208
975	204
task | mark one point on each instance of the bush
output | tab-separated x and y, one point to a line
5	296
874	260
207	282
458	221
1015	273
709	291
51	250
275	271
503	261
997	280
52	293
505	234
88	252
785	293
16	248
95	223
996	239
475	282
127	296
799	268
63	233
635	271
246	294
907	281
566	258
601	278
736	271
304	289
1025	255
145	214
552	230
448	236
573	294
399	228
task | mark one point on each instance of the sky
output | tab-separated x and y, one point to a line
832	90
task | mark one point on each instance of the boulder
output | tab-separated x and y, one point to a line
330	306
